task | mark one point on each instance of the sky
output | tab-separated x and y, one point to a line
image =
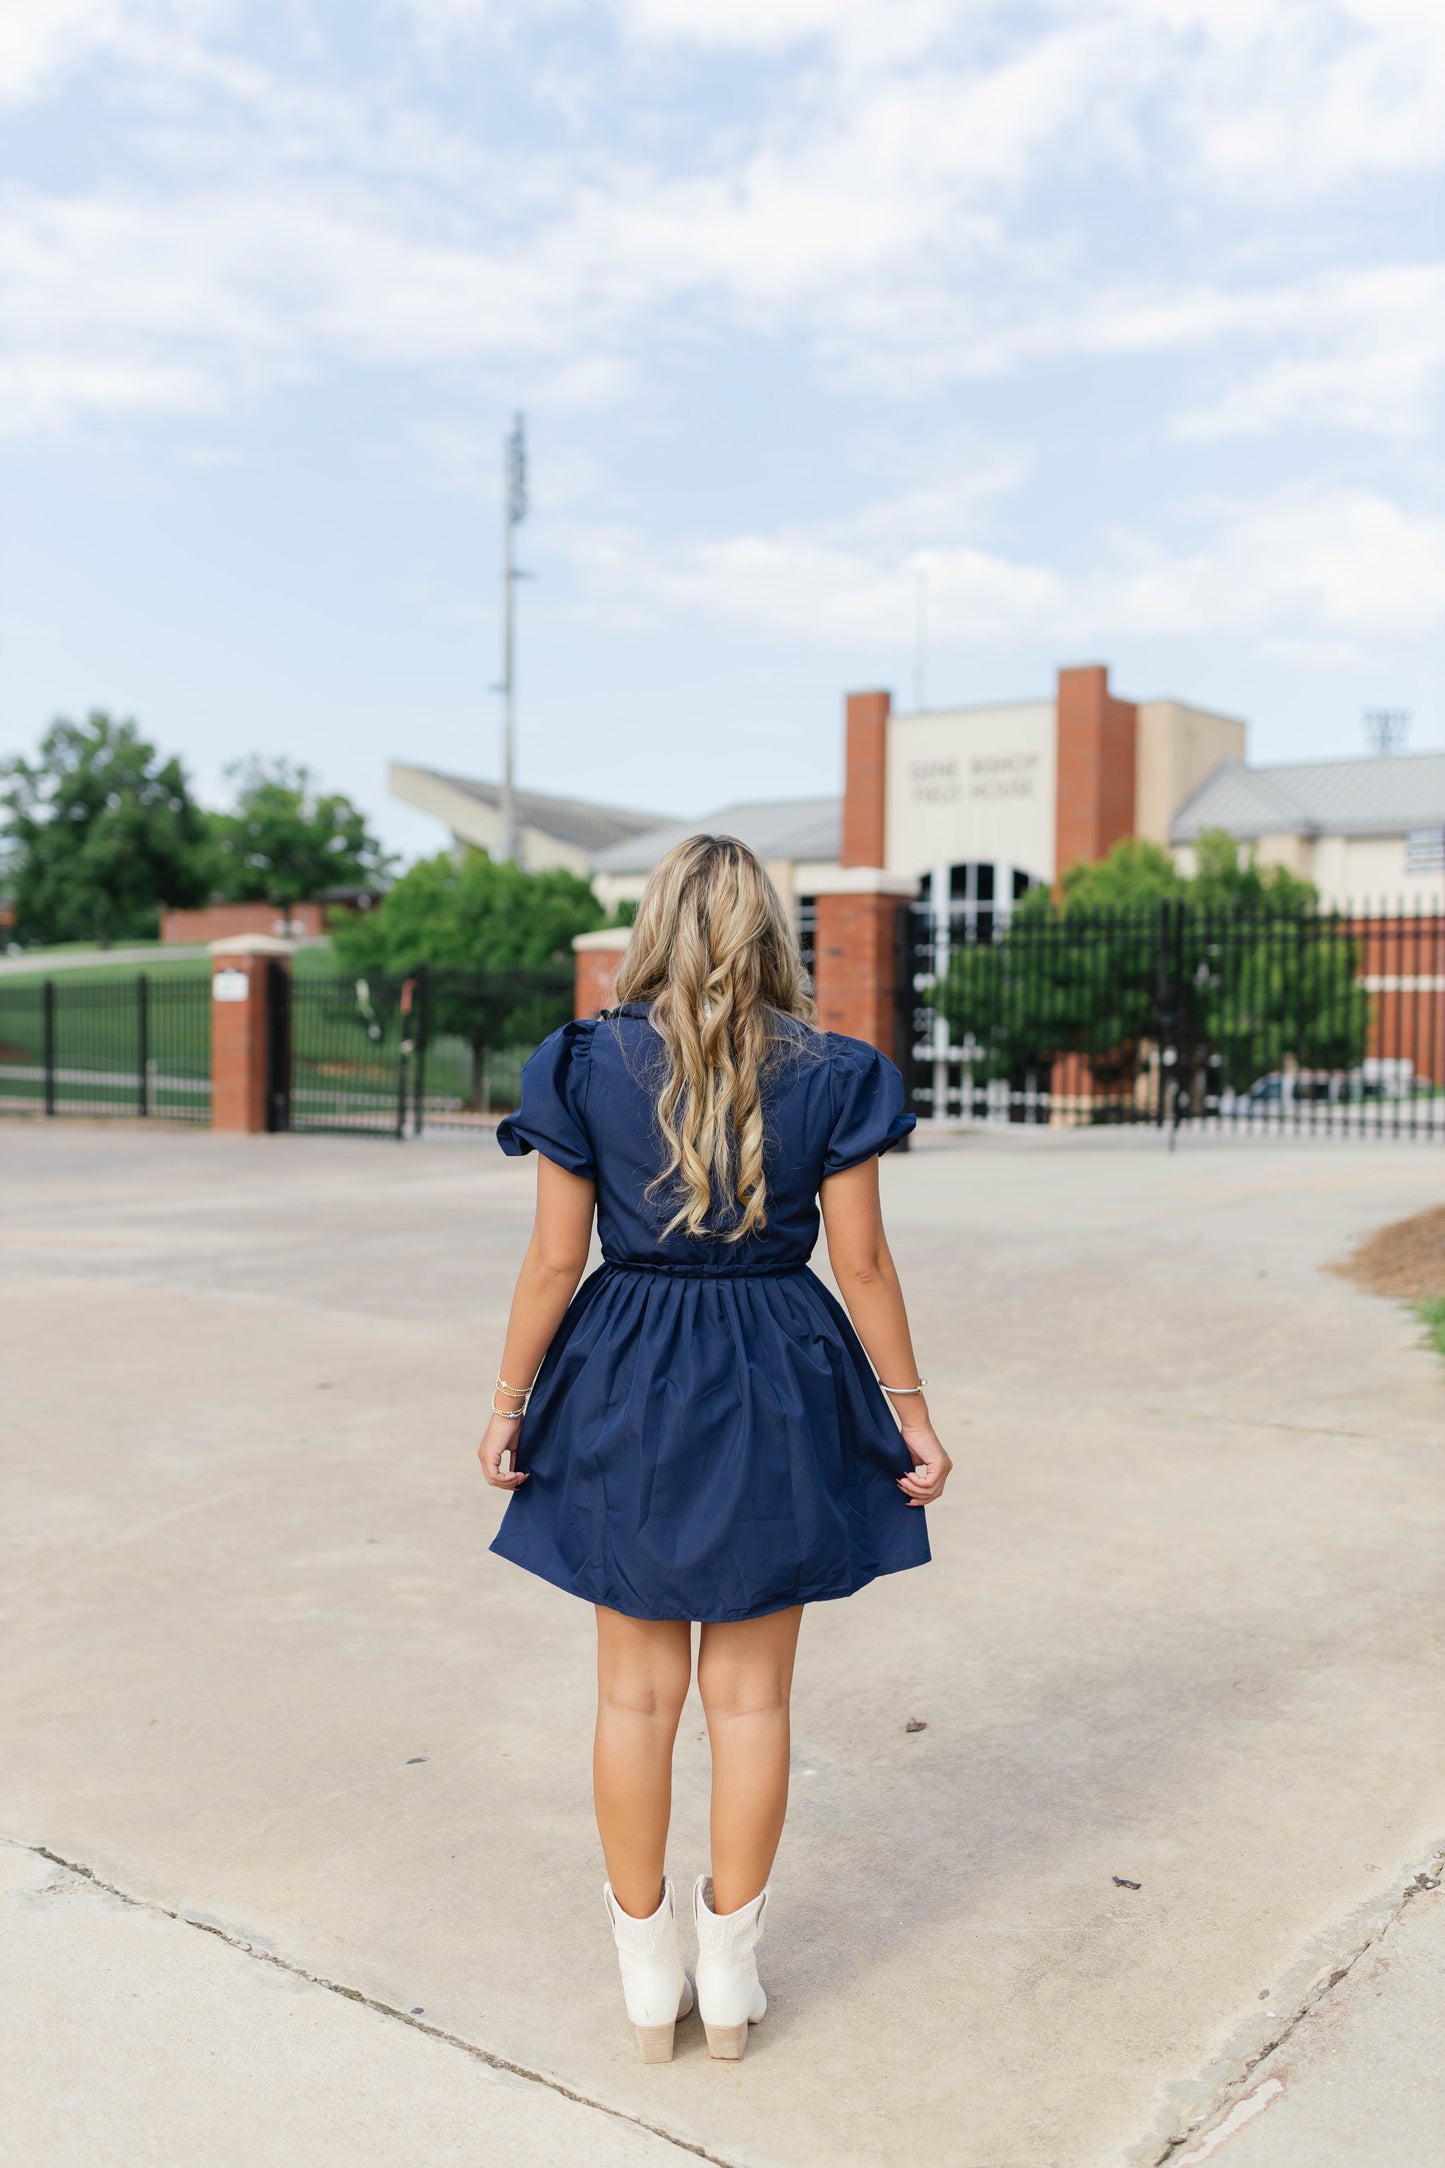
1109	332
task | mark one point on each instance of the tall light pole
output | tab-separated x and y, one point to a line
514	511
920	641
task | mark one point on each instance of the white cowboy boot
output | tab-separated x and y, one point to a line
654	1986
729	1995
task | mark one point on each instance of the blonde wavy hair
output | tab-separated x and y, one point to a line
713	951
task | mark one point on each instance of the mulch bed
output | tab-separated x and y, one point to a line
1405	1259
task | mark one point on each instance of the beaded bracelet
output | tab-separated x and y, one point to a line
517	1392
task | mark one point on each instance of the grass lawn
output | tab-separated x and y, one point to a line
1431	1314
317	962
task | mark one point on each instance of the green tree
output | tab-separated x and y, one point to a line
1134	876
498	940
101	832
285	841
1229	877
1235	964
470	913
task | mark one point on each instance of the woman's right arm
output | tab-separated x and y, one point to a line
868	1282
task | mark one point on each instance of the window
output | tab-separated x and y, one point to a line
980	896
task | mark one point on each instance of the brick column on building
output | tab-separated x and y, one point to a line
855	957
1095	766
240	1044
596	957
865	778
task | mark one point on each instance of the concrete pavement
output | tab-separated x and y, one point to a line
1182	1628
1357	2079
135	2039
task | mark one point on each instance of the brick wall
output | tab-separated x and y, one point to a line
1402	965
595	961
865	778
238	1049
1096	767
855	967
223	921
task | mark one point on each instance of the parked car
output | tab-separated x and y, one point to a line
1374	1078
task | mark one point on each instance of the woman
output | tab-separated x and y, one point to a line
698	1434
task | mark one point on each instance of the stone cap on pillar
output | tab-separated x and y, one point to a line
252	944
606	937
862	881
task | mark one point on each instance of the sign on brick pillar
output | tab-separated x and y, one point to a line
596	958
855	956
240	1036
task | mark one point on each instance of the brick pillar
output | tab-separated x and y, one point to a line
856	955
596	957
1095	766
240	1045
865	778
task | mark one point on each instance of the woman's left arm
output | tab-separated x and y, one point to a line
555	1260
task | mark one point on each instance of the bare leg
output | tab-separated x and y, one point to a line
745	1677
644	1667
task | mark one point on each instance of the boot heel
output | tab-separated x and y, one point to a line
652	1974
655	2042
725	2043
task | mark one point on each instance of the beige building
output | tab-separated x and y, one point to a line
1366	832
796	838
553	831
979	804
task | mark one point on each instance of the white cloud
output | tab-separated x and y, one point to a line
223	292
1273	100
1313	564
860	30
42	392
1357	349
1306	560
40	40
1286	99
879	215
1353	349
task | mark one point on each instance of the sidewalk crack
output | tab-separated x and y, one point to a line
370	2002
1429	1877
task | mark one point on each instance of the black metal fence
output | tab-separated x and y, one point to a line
1330	1022
137	1046
394	1056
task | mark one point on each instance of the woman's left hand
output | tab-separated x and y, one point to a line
498	1439
931	1465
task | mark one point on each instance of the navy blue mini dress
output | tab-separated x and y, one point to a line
706	1439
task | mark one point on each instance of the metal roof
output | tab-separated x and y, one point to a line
587	827
773	827
1385	796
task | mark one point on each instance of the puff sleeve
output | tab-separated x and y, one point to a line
550	1119
869	1116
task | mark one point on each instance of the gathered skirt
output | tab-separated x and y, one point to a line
709	1447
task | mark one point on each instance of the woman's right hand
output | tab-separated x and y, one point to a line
498	1439
931	1465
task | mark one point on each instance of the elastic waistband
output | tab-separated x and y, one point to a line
664	1269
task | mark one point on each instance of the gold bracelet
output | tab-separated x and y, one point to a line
503	1386
918	1388
508	1415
